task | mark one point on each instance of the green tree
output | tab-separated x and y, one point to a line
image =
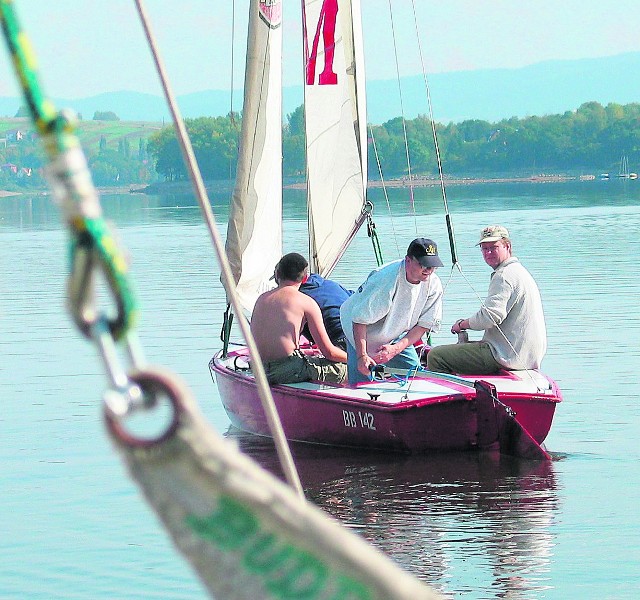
105	116
294	147
214	142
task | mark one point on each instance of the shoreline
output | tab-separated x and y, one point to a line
118	189
417	182
431	181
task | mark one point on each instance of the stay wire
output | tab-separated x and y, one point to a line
404	122
233	55
449	222
384	189
275	425
448	219
94	249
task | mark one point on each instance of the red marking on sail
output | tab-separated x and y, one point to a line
326	24
271	12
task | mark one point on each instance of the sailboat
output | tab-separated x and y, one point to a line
624	172
426	412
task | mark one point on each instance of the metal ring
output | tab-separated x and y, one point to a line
153	383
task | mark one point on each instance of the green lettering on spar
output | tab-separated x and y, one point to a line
289	572
286	571
228	527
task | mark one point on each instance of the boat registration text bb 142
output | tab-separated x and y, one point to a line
358	419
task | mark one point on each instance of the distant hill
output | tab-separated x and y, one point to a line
545	88
90	132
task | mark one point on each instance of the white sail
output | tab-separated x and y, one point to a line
254	231
336	123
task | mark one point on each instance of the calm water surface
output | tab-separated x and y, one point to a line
474	526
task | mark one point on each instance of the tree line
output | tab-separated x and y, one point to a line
591	138
114	162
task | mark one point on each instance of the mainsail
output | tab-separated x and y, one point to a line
254	231
335	115
335	121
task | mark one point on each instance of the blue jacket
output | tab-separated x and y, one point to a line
329	295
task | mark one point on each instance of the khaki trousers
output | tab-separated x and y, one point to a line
298	367
472	358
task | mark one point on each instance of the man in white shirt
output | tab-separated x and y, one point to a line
515	336
397	304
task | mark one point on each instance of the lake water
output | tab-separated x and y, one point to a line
74	526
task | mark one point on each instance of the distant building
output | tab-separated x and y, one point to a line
14	135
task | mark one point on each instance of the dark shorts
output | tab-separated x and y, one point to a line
299	367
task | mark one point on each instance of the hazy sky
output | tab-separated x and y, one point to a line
86	47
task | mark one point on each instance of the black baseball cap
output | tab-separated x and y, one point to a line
425	251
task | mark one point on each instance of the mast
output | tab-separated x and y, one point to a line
254	231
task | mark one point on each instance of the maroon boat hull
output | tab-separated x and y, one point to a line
432	423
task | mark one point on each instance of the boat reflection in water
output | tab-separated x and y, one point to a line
467	523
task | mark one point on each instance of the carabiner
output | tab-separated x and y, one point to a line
123	395
86	261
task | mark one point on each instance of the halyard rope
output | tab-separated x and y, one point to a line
275	426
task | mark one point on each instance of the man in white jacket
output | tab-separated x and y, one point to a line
511	316
397	304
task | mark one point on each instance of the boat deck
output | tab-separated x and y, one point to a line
425	385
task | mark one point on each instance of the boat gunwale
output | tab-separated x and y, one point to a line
217	366
289	390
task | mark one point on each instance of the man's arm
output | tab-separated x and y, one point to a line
496	306
387	351
318	331
360	339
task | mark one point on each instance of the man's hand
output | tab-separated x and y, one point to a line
365	362
459	326
385	353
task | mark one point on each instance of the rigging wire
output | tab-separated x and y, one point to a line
233	55
94	249
404	122
452	243
449	222
282	447
384	189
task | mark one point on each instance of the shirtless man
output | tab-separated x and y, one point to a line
276	323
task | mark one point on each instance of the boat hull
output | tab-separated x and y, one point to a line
429	413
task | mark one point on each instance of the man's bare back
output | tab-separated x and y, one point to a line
276	323
277	320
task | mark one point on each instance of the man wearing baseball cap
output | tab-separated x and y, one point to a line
511	317
396	305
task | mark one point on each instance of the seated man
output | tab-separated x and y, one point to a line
276	323
395	307
512	318
329	295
